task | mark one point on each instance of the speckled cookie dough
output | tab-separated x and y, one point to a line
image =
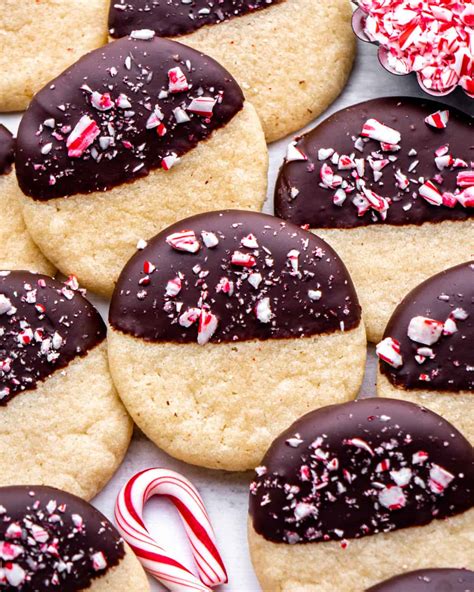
18	250
360	492
62	421
388	183
132	138
225	328
252	39
54	540
39	39
427	354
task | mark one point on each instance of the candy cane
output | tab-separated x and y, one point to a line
152	554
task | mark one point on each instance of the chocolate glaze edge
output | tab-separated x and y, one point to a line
172	19
117	89
313	205
429	580
452	367
360	468
85	538
7	150
44	325
142	310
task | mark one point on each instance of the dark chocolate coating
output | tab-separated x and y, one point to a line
144	311
314	204
56	535
429	580
141	73
344	462
452	368
60	325
7	150
170	18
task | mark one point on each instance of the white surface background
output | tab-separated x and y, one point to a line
226	494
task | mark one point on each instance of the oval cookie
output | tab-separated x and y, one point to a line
63	423
388	183
54	540
252	39
429	580
133	137
228	319
355	493
427	354
39	39
18	250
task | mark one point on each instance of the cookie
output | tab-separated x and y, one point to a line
62	421
39	39
252	39
96	146
388	184
427	354
54	540
429	580
227	327
356	493
18	250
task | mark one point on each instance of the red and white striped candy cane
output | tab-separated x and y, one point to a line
152	554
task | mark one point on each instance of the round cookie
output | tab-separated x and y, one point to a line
227	327
18	250
429	580
252	39
388	187
54	540
62	421
39	39
96	146
356	493
427	354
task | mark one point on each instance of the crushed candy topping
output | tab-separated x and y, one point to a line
358	469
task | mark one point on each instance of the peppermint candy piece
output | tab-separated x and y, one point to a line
154	554
375	130
438	120
82	136
424	330
388	350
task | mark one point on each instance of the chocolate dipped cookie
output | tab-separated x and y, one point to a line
290	82
389	184
429	580
356	493
427	354
39	39
18	250
62	421
225	328
52	540
133	137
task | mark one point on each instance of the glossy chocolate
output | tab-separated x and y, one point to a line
7	150
429	580
170	18
300	198
132	123
52	540
295	285
361	468
44	325
447	296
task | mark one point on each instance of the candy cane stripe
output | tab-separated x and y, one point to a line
153	554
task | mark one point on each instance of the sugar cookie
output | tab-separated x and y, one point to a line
54	540
388	184
356	493
18	250
96	146
427	354
62	422
253	39
39	39
227	327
